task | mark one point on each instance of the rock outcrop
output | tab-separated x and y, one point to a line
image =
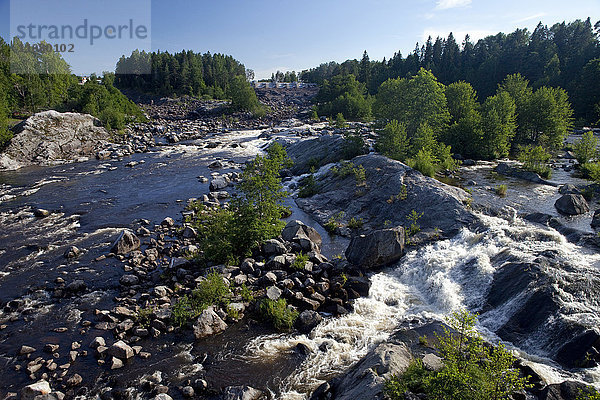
572	204
391	192
315	153
51	136
376	249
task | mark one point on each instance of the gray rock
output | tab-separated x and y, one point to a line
160	291
40	388
168	221
568	189
121	350
307	237
129	280
26	350
315	152
97	342
218	184
431	362
572	204
366	379
308	320
273	247
76	286
41	213
241	393
126	243
50	136
189	232
209	323
507	170
162	396
187	391
377	248
596	219
72	252
273	292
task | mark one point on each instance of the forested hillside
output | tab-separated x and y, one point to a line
564	55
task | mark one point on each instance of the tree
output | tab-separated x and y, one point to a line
498	125
464	133
548	117
364	75
392	141
413	102
5	134
586	148
345	95
249	74
242	95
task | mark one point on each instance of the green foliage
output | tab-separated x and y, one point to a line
423	341
313	115
210	292
588	394
393	142
300	261
340	121
345	95
592	170
464	133
308	187
347	168
414	227
144	317
184	73
414	102
246	294
501	190
423	162
498	126
5	133
401	196
227	234
334	222
278	313
535	159
586	149
472	370
243	97
354	145
355	223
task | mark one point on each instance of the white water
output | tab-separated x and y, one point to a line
429	283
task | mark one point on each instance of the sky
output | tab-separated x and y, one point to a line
271	35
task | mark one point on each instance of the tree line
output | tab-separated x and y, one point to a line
45	82
564	55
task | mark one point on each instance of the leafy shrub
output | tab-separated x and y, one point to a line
535	159
225	235
144	316
348	168
401	196
354	145
393	142
308	187
340	121
586	149
588	394
423	162
472	370
246	294
414	227
300	261
501	190
313	115
210	292
278	313
355	223
334	222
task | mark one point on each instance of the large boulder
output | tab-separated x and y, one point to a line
308	320
391	192
572	204
50	136
218	183
315	153
209	323
297	232
126	243
377	248
40	388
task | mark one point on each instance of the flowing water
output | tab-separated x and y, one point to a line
92	201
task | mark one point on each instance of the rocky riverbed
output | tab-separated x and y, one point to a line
96	255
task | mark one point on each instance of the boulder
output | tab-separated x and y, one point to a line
315	153
377	248
568	189
273	292
209	323
129	280
273	247
126	243
572	204
596	219
241	393
121	350
72	252
518	173
218	184
307	237
40	388
49	136
308	320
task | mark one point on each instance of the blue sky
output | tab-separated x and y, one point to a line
279	34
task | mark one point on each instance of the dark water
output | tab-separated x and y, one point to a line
90	203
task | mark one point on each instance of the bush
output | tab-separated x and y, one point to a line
246	294
355	223
472	369
586	149
354	145
300	261
592	171
414	227
308	187
501	190
588	394
423	162
334	222
535	159
393	142
225	235
313	115
348	168
340	121
243	97
279	314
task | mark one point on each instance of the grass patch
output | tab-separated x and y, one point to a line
278	313
355	223
300	261
501	190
